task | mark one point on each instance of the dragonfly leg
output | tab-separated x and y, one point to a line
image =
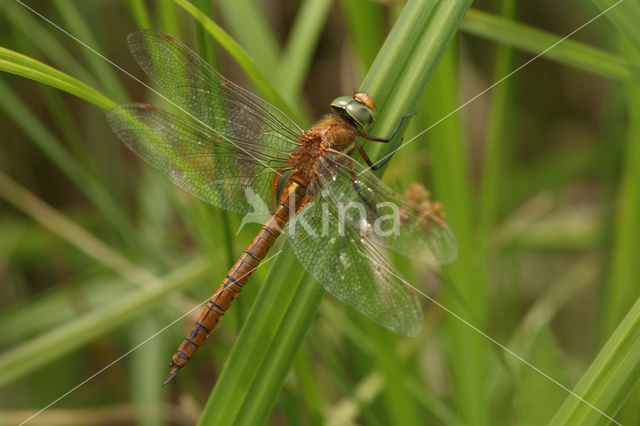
375	139
376	166
371	164
354	181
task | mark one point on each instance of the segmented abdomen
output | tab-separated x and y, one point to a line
237	277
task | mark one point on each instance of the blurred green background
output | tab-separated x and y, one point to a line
539	177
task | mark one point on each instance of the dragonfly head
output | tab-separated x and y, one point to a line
358	109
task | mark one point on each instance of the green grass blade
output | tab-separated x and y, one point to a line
205	45
167	21
536	321
365	26
71	133
622	287
494	157
533	40
80	238
465	286
400	408
311	386
296	57
70	231
433	404
16	63
546	308
147	367
430	45
241	57
23	320
39	351
623	283
32	30
609	378
252	30
391	61
538	399
234	386
101	69
54	100
93	189
614	373
281	353
140	13
624	17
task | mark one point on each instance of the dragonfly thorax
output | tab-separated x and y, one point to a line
331	133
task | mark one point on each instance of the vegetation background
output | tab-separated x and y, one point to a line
540	179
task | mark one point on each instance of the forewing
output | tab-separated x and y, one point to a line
385	217
203	164
207	97
352	269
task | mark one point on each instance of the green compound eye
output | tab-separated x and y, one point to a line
341	102
360	114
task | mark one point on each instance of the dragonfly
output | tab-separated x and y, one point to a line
228	147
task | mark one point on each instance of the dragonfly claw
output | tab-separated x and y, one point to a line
172	374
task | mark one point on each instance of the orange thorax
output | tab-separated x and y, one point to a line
332	132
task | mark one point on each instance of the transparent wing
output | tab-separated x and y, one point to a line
203	164
207	97
385	217
352	269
